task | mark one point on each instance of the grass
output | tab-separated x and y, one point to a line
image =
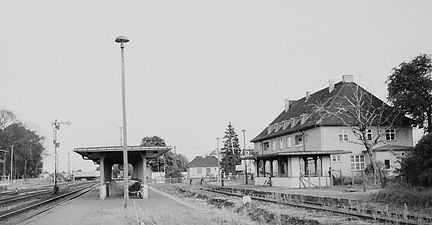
400	194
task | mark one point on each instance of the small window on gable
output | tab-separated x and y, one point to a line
303	118
283	125
343	135
299	139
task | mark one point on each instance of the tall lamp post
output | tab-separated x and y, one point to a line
56	126
218	158
244	153
122	40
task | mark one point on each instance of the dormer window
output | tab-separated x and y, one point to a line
286	124
304	117
270	129
276	127
294	121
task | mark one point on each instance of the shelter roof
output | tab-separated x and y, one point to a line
115	152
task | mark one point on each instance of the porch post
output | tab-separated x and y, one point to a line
271	167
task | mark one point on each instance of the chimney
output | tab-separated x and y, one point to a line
331	85
307	95
347	78
287	104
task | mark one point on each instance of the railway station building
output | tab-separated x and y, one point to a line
300	146
106	157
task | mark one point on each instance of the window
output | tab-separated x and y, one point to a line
266	145
280	143
273	145
269	129
387	164
390	135
369	134
303	118
299	139
294	121
286	124
357	162
199	170
336	158
343	135
289	142
276	127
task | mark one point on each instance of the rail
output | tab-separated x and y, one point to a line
335	205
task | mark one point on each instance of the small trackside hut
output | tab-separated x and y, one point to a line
106	157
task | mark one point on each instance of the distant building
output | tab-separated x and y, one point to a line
86	175
206	166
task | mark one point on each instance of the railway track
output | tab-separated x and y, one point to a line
350	210
39	205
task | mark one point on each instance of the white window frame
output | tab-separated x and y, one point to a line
343	136
389	133
289	143
274	145
336	158
357	162
281	146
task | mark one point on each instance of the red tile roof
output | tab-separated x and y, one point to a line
328	100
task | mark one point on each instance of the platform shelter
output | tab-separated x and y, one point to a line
106	157
294	169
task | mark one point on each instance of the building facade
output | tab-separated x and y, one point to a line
302	141
203	166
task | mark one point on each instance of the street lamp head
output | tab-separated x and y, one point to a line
243	130
122	39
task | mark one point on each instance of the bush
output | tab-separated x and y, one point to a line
417	167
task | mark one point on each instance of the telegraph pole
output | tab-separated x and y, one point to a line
11	170
56	126
244	153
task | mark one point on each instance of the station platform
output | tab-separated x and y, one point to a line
89	209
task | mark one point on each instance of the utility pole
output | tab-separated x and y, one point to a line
218	158
11	170
244	153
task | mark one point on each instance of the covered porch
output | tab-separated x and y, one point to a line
296	169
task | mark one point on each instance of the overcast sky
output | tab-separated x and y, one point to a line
191	66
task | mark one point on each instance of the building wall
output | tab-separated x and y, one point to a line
197	172
327	138
330	141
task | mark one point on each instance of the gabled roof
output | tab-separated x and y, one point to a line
307	107
208	161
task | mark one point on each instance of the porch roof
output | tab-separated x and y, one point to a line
390	147
297	153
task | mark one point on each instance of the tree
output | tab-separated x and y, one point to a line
6	118
152	141
230	151
173	163
362	112
28	149
416	168
410	90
